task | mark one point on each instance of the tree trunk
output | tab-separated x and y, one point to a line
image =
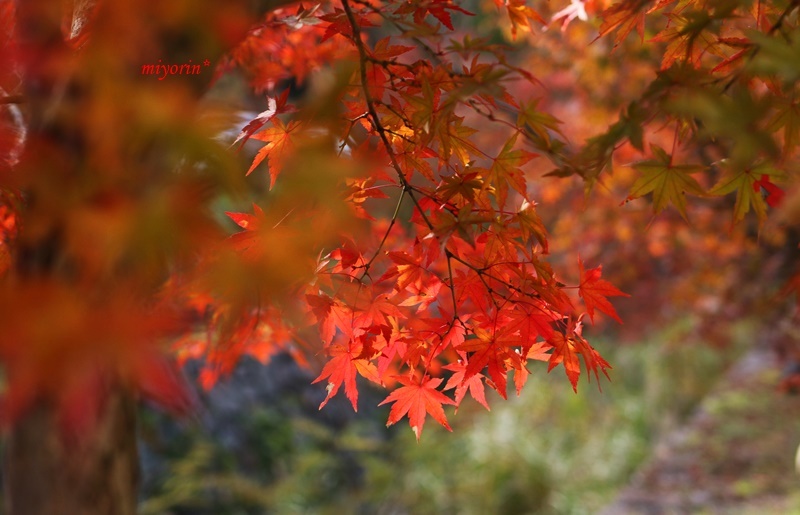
98	475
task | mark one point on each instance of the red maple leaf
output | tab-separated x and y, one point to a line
473	384
345	363
564	352
339	24
321	306
774	194
594	291
538	351
566	349
418	399
436	8
490	350
396	345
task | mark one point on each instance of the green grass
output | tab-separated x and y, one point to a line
550	451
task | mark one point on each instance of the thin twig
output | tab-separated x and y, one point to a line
385	236
373	113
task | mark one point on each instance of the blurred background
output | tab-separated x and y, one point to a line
708	352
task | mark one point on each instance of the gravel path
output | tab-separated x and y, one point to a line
735	455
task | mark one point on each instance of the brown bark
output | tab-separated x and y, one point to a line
45	474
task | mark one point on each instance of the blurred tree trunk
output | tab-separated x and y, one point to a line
96	475
45	471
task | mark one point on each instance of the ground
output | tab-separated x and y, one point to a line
735	455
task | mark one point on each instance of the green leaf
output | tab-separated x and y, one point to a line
538	124
776	56
667	182
787	117
736	120
741	181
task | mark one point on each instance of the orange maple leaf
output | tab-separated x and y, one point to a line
345	364
623	16
279	146
521	15
417	400
540	351
462	384
566	350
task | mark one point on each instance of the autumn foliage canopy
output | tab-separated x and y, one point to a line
389	218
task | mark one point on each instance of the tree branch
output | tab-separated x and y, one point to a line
373	113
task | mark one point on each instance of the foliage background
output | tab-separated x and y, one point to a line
259	448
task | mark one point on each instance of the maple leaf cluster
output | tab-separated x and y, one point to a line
716	82
707	133
453	282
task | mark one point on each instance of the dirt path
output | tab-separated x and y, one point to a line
735	455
